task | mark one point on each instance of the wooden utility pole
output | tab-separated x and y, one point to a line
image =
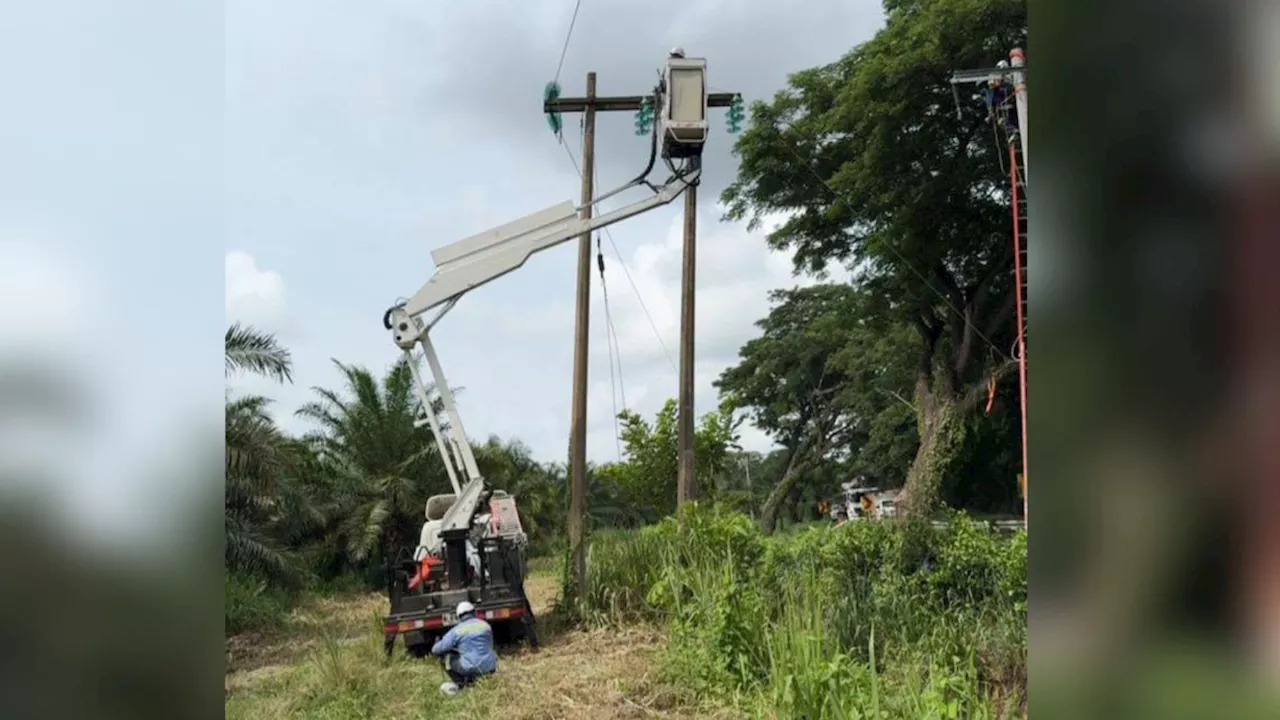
686	480
589	106
578	428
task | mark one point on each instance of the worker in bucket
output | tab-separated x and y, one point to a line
466	650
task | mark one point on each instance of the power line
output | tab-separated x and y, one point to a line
608	318
626	272
564	50
612	328
611	339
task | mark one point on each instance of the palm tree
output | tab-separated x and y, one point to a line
382	467
256	459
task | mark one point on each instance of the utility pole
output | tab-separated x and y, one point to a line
590	105
686	479
1012	71
578	428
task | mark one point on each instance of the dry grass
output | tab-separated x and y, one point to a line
339	618
587	675
301	673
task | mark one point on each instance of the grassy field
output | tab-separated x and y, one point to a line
698	618
327	662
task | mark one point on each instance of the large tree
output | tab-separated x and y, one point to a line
823	371
873	168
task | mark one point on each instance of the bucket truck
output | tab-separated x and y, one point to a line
472	543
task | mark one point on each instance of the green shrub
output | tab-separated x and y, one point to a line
250	604
970	563
864	620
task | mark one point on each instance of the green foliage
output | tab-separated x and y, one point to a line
645	481
867	618
252	604
257	460
828	377
249	350
621	568
375	467
867	159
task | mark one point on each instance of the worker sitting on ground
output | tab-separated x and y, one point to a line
466	650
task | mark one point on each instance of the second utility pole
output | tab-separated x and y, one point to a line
686	479
578	428
589	106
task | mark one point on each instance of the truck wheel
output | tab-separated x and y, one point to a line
417	652
389	643
502	633
530	632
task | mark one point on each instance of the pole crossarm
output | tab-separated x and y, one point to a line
619	103
977	76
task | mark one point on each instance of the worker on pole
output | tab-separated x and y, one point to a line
466	650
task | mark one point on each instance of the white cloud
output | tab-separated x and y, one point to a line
254	296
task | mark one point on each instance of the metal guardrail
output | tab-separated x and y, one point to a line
1002	525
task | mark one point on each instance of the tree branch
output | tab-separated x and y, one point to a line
899	398
978	392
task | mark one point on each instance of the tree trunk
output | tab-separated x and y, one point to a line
795	468
795	502
940	418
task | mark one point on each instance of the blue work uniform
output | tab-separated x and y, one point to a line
472	640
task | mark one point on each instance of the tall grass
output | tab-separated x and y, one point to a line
862	621
622	566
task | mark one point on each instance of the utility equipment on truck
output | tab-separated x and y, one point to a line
472	543
863	501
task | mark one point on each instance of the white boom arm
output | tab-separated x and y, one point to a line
468	264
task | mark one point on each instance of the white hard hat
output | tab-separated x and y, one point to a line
677	52
465	608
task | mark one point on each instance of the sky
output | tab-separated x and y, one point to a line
361	136
171	167
111	240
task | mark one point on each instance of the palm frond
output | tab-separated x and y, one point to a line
248	550
368	532
250	350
